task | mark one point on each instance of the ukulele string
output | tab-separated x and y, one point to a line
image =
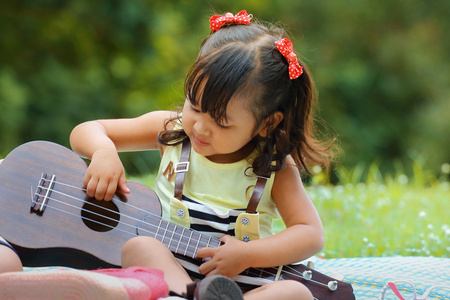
160	236
293	272
103	208
174	233
163	233
158	217
113	198
297	273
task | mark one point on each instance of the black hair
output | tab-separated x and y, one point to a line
244	60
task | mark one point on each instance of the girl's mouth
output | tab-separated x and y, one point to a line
199	142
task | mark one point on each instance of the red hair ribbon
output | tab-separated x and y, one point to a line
285	48
216	22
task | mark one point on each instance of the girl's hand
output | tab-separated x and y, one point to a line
228	260
105	175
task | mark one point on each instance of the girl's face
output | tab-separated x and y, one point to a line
221	143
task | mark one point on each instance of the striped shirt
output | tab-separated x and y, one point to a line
214	200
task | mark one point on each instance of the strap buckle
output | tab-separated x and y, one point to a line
181	167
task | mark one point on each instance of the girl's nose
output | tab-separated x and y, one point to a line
201	127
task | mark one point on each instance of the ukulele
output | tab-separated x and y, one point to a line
48	218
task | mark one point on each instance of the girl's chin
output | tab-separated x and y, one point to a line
200	148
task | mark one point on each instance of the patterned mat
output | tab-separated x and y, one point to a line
369	275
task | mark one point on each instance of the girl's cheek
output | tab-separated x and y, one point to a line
187	124
185	118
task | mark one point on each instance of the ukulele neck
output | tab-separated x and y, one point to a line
182	240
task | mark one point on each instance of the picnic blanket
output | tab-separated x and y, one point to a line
369	275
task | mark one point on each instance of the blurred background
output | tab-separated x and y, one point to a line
381	68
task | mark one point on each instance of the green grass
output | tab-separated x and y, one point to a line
385	216
384	219
367	214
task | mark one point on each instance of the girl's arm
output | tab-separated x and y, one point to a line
302	238
101	140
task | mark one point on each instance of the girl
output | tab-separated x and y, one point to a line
247	116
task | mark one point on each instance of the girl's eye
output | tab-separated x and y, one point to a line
222	126
193	108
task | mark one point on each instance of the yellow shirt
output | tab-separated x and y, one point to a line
215	197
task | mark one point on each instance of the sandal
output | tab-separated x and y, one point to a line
214	287
217	287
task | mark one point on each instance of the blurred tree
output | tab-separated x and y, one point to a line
382	68
382	71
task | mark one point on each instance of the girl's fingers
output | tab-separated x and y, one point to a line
205	252
110	191
101	189
91	187
225	238
123	186
104	188
206	267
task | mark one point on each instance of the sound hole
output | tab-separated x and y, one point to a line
100	216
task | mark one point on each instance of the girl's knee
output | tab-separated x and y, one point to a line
139	243
298	289
284	289
141	250
9	261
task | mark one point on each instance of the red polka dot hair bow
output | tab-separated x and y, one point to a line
285	48
216	22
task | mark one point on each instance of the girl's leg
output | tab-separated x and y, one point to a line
148	252
9	261
285	289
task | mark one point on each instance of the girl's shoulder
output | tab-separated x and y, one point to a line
289	175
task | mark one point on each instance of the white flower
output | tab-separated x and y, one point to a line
339	189
317	169
403	179
445	168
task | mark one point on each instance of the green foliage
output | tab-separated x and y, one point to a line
367	214
381	67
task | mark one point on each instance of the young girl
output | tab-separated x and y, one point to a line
248	118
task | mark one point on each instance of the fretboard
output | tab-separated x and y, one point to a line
179	239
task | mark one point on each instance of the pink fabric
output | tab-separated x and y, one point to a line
153	279
134	283
63	284
396	291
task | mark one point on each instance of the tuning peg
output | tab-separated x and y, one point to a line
307	275
332	285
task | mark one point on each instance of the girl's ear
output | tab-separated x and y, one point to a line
271	121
